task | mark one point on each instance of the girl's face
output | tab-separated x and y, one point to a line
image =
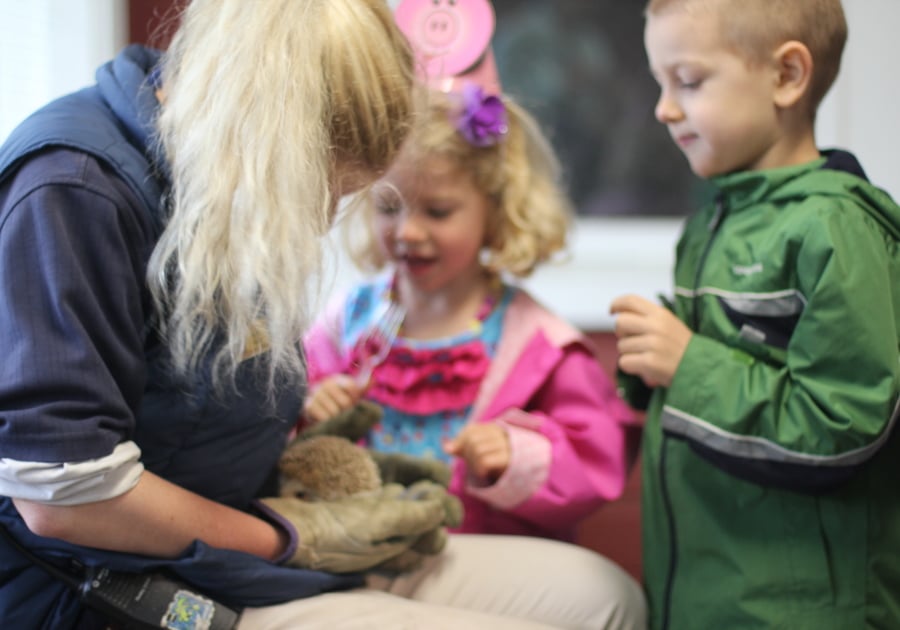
430	221
718	108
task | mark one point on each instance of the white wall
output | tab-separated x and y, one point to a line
861	112
48	47
51	47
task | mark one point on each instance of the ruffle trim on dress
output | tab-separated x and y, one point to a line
424	381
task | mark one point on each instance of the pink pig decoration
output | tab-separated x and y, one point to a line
452	42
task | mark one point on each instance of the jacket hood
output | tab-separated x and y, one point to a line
837	173
877	202
125	85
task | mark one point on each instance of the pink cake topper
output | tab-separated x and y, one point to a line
452	41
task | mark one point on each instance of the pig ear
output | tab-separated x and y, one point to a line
452	42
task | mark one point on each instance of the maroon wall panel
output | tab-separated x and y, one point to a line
152	21
615	529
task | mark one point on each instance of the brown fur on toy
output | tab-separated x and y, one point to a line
331	468
325	468
355	424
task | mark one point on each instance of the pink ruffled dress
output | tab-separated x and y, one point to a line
427	388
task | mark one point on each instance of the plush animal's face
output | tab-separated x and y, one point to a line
325	468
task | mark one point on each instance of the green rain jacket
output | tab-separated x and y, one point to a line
771	465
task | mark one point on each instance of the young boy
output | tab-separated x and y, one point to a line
770	452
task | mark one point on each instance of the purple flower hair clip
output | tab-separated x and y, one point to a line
482	121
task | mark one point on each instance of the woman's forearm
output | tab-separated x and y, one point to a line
155	518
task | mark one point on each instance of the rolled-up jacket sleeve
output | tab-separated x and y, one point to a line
72	305
73	483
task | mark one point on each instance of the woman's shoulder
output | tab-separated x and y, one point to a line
62	166
60	181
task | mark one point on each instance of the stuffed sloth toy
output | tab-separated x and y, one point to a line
325	463
325	468
353	425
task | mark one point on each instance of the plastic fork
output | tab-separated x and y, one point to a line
377	342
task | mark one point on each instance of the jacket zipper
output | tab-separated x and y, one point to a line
670	521
713	228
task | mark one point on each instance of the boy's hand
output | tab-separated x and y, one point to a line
331	396
484	448
652	339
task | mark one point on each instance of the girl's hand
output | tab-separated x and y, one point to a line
652	340
484	448
331	396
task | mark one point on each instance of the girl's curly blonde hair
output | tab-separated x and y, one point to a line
520	172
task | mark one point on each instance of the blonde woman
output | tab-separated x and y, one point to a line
158	231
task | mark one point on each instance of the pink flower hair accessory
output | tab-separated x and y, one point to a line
482	120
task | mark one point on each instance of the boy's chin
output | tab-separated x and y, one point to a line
705	169
699	166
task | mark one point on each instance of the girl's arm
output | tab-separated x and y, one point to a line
330	391
569	449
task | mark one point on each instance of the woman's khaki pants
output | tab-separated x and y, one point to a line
479	581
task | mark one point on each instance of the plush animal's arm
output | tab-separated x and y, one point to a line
355	423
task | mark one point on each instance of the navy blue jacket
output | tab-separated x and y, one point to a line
81	208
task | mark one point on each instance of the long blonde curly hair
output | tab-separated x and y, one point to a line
264	103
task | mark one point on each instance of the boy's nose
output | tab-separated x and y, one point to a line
667	109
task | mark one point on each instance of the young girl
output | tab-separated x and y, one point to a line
481	375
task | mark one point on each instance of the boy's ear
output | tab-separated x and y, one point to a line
794	66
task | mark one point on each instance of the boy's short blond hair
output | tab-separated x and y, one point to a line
757	27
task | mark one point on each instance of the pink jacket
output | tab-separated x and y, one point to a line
566	423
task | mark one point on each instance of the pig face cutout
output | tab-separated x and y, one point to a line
451	40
